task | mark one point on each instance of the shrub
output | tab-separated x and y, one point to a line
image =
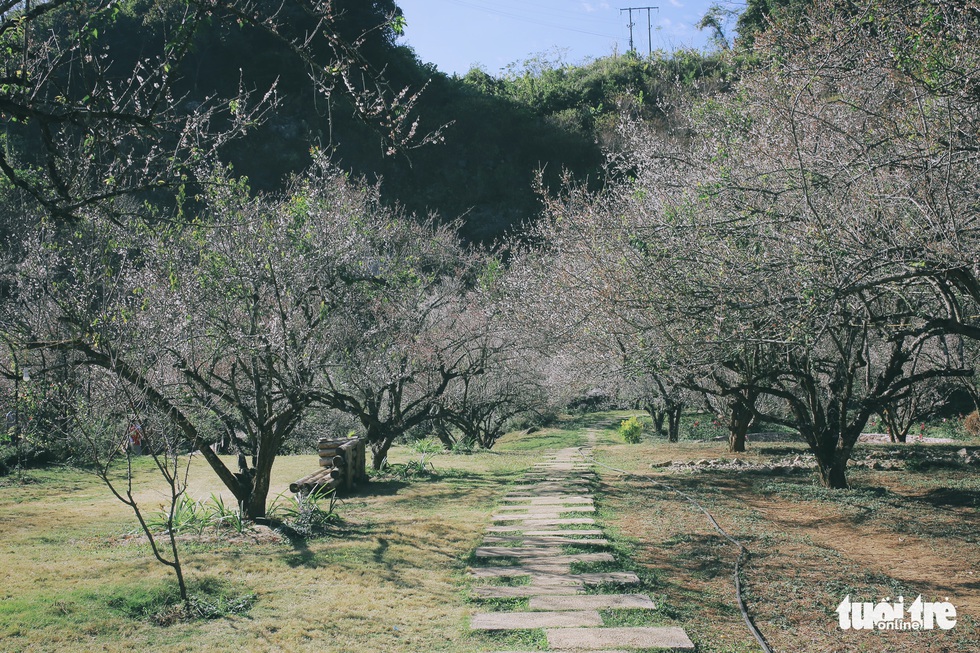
705	428
631	429
971	424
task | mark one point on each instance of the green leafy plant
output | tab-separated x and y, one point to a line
421	467
631	430
225	516
464	446
305	515
426	449
188	516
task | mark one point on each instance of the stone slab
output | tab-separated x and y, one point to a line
537	577
566	532
549	488
543	572
540	479
567	559
641	637
553	568
561	470
592	602
538	514
533	530
579	478
548	508
531	492
543	541
541	523
576	651
533	560
520	591
524	620
546	501
556	568
516	552
618	577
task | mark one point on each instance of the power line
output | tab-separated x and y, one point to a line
649	26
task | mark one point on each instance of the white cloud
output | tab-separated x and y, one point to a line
676	3
602	6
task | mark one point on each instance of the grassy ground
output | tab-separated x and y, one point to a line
391	576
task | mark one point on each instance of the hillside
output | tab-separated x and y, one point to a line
542	115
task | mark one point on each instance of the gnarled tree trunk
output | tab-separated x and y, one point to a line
738	425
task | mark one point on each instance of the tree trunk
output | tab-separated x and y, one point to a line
658	416
832	473
261	476
178	569
832	449
896	431
674	421
255	505
443	431
379	451
738	426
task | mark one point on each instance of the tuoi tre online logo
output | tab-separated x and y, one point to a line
895	615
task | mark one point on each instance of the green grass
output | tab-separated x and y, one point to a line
85	579
390	575
510	640
539	441
501	604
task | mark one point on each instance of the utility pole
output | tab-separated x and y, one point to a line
630	10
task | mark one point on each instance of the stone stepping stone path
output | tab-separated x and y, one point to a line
593	602
669	637
532	528
522	620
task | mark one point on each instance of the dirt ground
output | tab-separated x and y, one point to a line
897	532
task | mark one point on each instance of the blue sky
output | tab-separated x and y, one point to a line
458	34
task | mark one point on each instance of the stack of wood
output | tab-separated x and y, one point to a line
343	464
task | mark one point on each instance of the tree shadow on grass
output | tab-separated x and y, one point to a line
951	498
383	487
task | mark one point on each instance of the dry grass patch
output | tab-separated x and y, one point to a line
902	532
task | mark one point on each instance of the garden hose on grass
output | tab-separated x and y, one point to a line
743	554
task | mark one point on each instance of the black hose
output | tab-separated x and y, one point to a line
743	554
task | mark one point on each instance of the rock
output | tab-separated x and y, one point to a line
667	463
876	465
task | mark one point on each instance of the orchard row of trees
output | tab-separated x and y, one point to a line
149	290
239	325
801	247
804	248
